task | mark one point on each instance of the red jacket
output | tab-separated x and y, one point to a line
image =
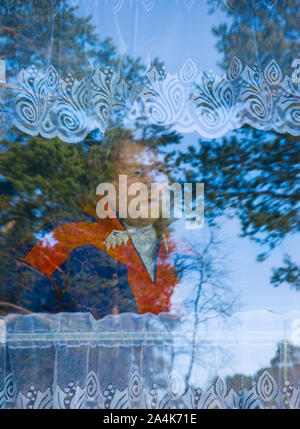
154	297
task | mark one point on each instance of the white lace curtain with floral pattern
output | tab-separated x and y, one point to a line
176	76
251	360
196	67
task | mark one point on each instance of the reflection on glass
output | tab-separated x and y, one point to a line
106	301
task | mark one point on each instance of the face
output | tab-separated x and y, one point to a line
141	165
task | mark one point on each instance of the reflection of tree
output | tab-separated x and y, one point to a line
258	33
276	370
210	296
33	31
253	173
289	272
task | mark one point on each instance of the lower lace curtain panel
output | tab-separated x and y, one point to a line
70	360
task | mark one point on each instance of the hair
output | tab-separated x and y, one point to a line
104	156
103	160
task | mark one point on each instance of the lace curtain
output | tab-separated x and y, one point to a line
53	96
162	71
45	103
146	361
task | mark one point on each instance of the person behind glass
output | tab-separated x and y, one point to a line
138	251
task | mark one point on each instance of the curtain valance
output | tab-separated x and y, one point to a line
146	361
42	102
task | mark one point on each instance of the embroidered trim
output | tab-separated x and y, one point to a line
264	393
45	103
116	238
